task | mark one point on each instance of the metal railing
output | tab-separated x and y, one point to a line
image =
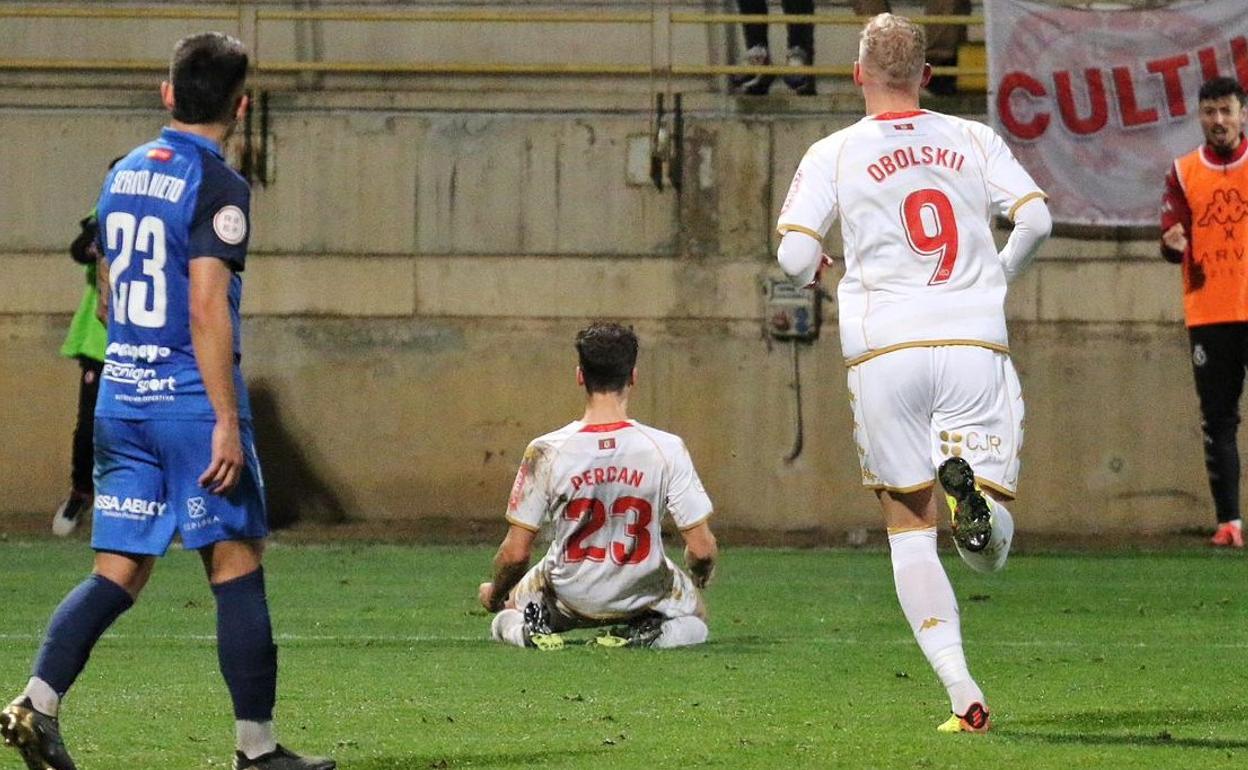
251	20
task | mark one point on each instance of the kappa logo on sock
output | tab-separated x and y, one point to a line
931	623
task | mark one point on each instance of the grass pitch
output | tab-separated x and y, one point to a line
1105	661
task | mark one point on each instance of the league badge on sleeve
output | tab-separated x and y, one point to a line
230	224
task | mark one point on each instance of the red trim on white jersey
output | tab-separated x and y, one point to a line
899	115
606	427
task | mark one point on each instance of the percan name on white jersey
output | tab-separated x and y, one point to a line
607	475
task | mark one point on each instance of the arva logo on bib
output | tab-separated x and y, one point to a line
128	506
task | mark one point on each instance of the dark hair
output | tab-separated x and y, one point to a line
1217	88
608	353
207	73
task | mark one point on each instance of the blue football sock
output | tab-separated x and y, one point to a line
245	646
77	624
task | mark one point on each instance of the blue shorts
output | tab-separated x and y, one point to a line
147	488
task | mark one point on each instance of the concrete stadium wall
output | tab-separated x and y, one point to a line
420	264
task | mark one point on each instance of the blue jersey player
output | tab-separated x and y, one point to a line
173	447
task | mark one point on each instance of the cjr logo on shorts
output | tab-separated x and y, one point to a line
196	507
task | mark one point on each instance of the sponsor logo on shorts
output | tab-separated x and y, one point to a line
954	443
1199	357
134	508
196	507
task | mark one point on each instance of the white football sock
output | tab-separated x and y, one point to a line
929	605
681	632
254	739
508	627
42	696
992	558
1237	523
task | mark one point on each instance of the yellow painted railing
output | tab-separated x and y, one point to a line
251	19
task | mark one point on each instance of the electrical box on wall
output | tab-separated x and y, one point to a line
792	311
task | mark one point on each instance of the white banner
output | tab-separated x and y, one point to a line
1096	104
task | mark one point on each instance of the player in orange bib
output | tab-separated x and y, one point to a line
603	483
1203	215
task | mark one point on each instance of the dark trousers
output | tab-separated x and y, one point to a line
1219	357
83	462
801	35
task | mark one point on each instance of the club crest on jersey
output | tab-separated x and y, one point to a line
606	443
161	154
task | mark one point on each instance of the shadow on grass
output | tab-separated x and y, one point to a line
1144	727
478	759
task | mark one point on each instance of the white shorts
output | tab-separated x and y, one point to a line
682	600
916	407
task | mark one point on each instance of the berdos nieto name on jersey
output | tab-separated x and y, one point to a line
150	183
608	475
914	157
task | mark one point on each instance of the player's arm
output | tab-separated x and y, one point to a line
809	210
212	335
526	510
510	564
1176	219
1032	225
102	286
1013	193
701	553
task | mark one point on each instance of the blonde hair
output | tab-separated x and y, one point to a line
894	48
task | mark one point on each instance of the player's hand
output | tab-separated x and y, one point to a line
824	262
1174	238
701	573
226	466
485	595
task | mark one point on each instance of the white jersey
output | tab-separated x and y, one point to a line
915	193
605	488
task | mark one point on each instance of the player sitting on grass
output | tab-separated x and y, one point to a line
604	482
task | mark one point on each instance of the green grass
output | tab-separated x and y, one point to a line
1133	660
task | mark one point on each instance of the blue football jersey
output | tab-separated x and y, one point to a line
167	202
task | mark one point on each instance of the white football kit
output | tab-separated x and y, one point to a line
921	304
605	489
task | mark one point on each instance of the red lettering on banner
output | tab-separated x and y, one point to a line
1012	82
1131	113
1208	63
1169	68
1239	53
1096	97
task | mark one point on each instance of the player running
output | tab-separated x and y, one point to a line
604	482
922	325
173	447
